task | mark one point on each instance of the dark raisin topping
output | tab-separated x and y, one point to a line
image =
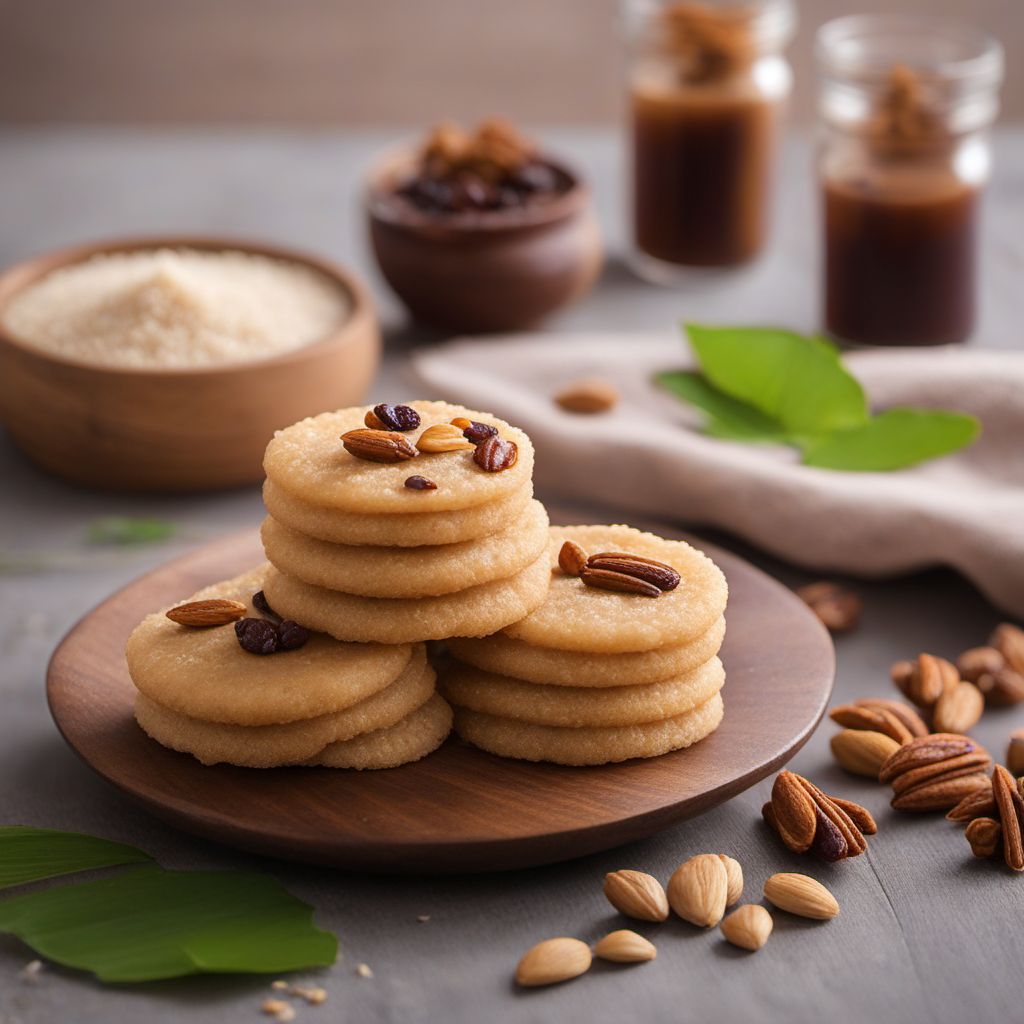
477	432
260	603
397	417
420	483
257	636
291	635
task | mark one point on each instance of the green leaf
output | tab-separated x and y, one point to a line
149	923
29	854
795	380
126	530
727	417
892	440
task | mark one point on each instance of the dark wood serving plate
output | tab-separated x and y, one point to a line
459	809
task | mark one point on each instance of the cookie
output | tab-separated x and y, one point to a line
408	572
587	746
576	617
576	707
309	461
204	673
404	530
412	738
474	612
507	657
270	746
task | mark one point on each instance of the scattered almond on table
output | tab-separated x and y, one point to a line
589	395
625	947
748	926
699	889
801	895
838	608
636	894
552	961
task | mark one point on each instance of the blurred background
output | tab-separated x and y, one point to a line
361	62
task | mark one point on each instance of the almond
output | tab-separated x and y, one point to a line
636	894
735	874
958	709
801	895
660	575
378	445
443	437
748	926
216	611
862	752
589	395
1008	640
553	960
607	579
698	890
923	681
572	559
1015	753
625	947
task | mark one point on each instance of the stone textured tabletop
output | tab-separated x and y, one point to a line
926	934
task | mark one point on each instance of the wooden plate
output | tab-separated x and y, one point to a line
459	809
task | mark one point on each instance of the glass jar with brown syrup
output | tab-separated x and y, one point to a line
905	105
707	85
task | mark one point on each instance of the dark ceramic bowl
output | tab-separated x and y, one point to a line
492	270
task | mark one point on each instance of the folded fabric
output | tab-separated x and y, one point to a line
649	456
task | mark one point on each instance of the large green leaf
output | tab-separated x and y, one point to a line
795	380
29	854
727	417
149	923
893	439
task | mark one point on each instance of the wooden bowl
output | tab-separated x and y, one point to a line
175	429
499	270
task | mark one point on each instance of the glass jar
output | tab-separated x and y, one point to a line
905	105
707	84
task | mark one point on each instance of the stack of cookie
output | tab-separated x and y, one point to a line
223	678
404	523
620	661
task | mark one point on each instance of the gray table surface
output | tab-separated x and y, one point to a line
926	933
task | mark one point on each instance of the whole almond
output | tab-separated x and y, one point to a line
1015	753
443	437
979	661
958	709
553	960
625	947
698	890
862	752
924	680
1009	641
636	894
660	575
748	926
607	579
378	445
215	611
734	871
589	395
801	895
572	559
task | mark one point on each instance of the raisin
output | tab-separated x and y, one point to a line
420	483
397	417
477	432
291	635
260	603
257	636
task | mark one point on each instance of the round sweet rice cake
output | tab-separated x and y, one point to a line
412	738
504	656
576	707
205	674
396	529
577	617
408	572
526	741
476	611
270	746
310	462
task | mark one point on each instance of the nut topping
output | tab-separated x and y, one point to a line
660	575
378	445
216	611
494	454
392	417
572	559
473	430
420	483
443	437
606	579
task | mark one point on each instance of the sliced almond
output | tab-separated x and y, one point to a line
552	961
637	895
215	611
698	890
801	895
625	947
748	926
862	752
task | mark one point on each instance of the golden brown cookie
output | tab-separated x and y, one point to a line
405	530
409	572
205	674
474	612
309	461
501	696
587	746
412	738
507	657
270	746
577	617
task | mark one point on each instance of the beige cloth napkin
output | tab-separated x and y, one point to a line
965	510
